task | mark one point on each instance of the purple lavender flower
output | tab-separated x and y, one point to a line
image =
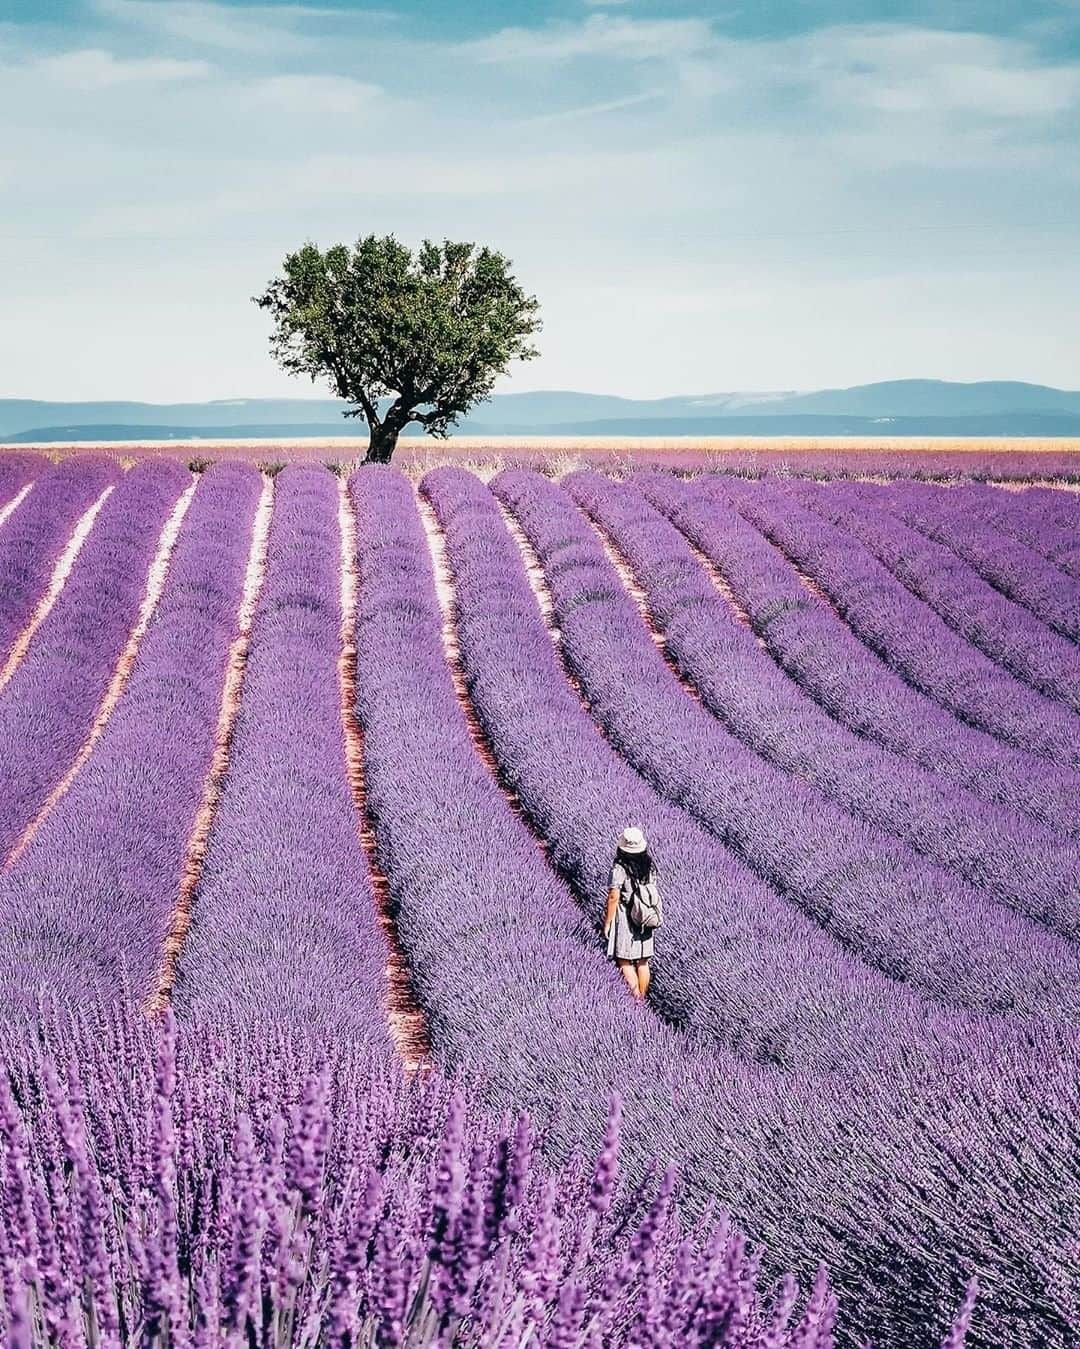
601	1191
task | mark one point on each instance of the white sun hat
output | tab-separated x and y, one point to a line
632	840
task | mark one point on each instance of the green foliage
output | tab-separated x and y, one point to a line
404	338
198	464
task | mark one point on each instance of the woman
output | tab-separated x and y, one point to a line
631	946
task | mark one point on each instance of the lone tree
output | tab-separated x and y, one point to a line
404	338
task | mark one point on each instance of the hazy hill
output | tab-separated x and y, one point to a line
929	398
913	406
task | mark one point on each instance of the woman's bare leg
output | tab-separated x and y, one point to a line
644	977
629	972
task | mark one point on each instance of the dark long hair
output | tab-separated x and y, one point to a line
637	865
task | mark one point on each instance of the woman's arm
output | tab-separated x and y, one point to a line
612	905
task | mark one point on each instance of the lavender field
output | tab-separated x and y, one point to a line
309	787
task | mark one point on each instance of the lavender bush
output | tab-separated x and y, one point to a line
1052	507
1027	867
89	901
1009	634
821	653
906	632
47	709
284	924
34	536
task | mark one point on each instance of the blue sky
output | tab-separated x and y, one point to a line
767	195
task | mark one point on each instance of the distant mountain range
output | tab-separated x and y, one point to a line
920	407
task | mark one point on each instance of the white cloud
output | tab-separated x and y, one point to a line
917	70
93	68
888	69
465	174
244	29
585	110
600	35
329	95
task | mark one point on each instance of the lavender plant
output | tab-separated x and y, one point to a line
1008	512
1019	573
16	471
218	1189
1049	506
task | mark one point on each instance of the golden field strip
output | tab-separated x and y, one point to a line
472	444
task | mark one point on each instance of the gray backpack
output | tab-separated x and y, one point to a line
645	908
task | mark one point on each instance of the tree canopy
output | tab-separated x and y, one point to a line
403	337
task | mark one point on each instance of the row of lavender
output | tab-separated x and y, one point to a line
88	902
304	542
851	679
580	792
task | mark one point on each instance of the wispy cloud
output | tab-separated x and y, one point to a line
916	70
329	95
96	69
880	68
242	29
585	110
612	36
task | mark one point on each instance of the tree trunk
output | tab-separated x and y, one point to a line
382	440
